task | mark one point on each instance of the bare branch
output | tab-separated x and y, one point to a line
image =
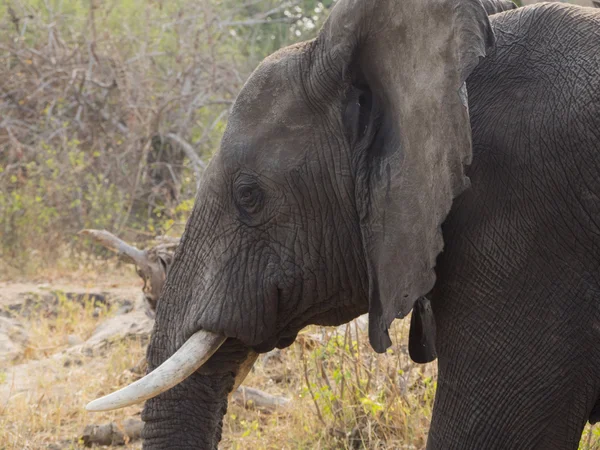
81	106
197	164
126	252
253	22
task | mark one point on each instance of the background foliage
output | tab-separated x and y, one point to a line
109	110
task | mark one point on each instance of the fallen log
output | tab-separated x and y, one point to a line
112	433
255	399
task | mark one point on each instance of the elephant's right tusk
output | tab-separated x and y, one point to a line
184	362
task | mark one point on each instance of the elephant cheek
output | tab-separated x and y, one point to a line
250	315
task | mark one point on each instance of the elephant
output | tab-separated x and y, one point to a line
361	172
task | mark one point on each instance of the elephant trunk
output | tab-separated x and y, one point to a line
190	414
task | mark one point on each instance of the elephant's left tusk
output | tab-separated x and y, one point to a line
184	362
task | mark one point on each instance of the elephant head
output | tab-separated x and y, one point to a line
340	161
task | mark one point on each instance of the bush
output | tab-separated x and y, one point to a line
108	110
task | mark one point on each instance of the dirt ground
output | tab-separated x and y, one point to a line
61	344
65	343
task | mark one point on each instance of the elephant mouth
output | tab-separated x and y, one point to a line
188	359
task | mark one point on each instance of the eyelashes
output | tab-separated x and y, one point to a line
359	114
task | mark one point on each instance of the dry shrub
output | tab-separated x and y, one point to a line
110	108
366	400
345	396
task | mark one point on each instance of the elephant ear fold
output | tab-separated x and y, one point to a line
498	6
402	66
421	339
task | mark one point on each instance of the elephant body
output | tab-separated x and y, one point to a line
342	158
517	299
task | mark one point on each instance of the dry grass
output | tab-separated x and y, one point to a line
344	395
51	333
51	411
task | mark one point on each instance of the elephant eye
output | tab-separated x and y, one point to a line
359	116
249	198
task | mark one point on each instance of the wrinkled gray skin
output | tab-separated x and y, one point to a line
517	301
341	159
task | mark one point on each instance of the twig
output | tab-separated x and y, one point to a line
197	164
312	394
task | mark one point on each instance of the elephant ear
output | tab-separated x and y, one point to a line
596	3
402	66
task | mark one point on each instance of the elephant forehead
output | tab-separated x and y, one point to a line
270	124
273	146
271	94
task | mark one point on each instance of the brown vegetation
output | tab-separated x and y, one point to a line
109	110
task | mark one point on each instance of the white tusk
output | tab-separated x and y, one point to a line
184	362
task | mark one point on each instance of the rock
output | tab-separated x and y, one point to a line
135	323
13	339
70	362
126	307
73	339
